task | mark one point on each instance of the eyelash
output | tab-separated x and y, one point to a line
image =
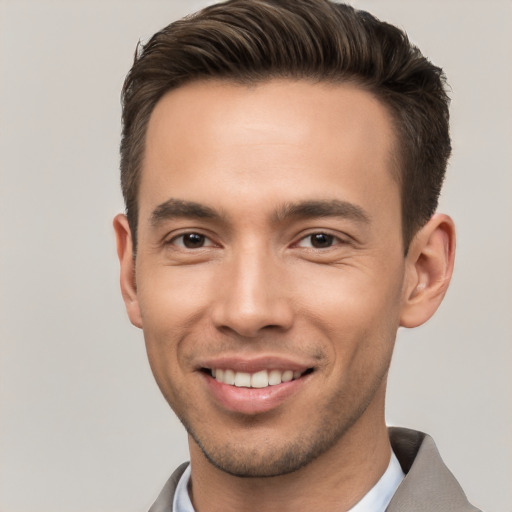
329	238
182	245
332	240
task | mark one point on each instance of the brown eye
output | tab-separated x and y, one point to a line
321	240
192	241
318	241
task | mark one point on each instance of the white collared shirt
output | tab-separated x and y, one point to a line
379	496
375	500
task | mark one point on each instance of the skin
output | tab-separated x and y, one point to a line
256	286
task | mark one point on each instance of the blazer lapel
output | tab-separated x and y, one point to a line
428	486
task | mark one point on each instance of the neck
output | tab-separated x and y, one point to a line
335	481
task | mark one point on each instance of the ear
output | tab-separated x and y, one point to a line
429	268
127	261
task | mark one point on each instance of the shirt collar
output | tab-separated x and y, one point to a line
379	496
376	500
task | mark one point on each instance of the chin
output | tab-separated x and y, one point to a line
263	459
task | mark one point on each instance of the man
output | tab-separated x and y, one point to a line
281	163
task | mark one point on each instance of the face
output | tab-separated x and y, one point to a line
269	273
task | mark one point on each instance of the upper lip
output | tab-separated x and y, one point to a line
254	364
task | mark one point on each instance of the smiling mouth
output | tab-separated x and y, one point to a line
260	379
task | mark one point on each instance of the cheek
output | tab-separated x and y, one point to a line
357	294
171	299
172	303
358	311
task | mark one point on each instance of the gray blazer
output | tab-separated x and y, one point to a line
428	485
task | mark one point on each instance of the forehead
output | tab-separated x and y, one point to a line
276	139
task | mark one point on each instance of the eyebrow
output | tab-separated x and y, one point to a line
177	208
332	208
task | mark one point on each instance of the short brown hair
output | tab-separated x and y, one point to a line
250	41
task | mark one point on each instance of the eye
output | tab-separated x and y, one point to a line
318	241
192	241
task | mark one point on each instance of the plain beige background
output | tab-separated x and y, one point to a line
83	427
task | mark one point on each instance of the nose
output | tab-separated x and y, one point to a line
252	296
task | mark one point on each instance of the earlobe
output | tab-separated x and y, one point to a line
429	268
127	263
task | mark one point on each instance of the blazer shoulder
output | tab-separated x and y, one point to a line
165	499
428	486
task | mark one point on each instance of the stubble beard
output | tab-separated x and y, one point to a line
269	459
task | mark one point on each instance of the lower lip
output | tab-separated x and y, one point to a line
252	400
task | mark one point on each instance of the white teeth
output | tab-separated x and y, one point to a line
229	377
260	379
287	376
242	380
274	377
